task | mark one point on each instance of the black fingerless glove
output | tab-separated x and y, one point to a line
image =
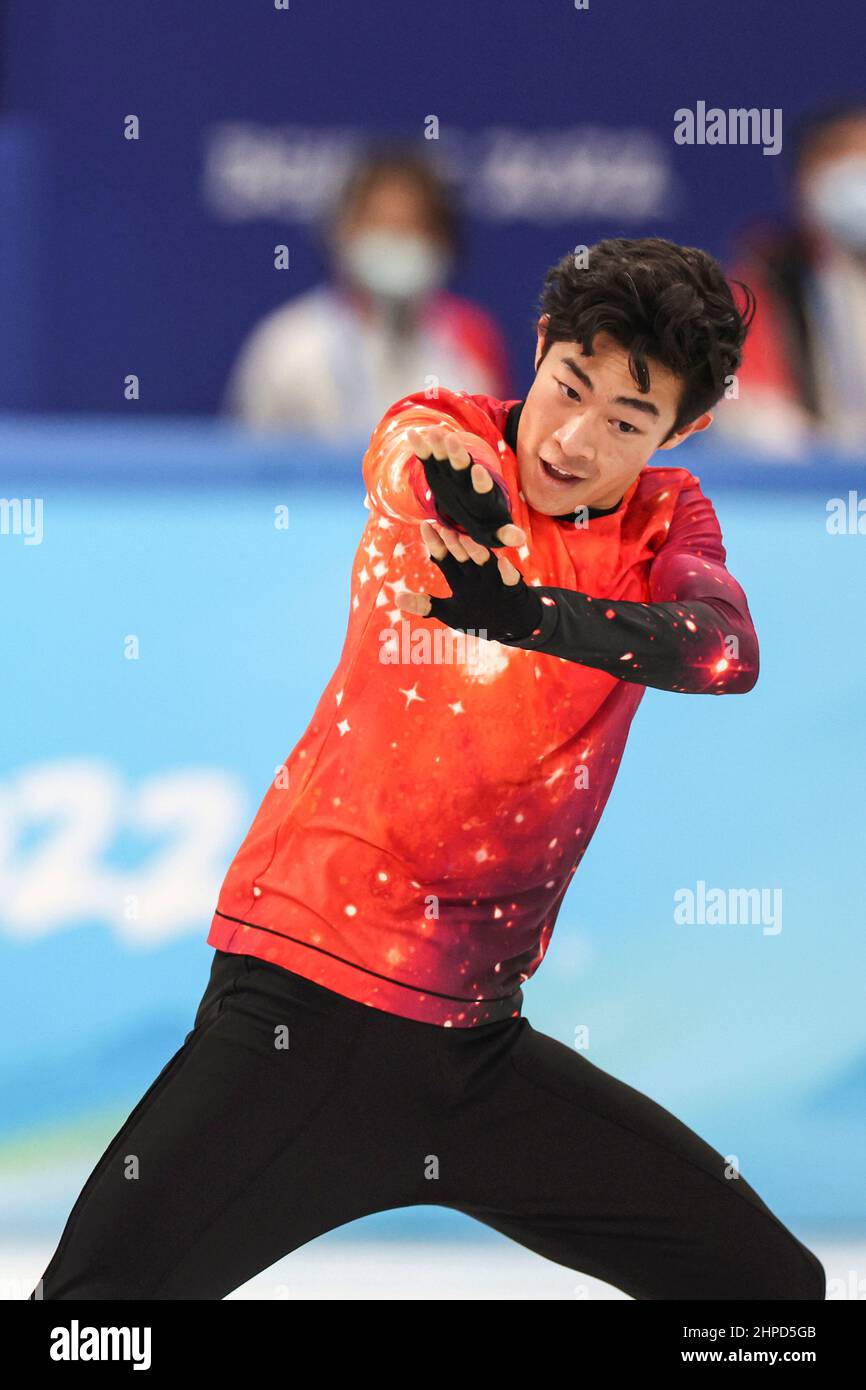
479	514
482	602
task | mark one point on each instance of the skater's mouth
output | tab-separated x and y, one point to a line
561	475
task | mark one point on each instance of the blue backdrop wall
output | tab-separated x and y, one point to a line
155	256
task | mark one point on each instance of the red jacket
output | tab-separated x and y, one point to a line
415	852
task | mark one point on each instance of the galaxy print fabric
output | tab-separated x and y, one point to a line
414	849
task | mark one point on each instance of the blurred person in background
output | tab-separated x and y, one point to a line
802	382
332	360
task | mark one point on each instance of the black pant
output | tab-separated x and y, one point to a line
243	1149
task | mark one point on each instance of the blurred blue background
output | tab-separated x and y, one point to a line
124	782
155	256
138	778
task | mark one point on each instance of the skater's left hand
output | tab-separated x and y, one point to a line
488	597
464	491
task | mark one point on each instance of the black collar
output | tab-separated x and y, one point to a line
509	434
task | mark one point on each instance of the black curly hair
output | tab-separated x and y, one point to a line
659	300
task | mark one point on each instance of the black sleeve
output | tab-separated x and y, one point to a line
695	646
696	634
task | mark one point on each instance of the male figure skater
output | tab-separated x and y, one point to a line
361	1043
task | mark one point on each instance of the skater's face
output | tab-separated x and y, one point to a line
586	416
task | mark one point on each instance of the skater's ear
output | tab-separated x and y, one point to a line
541	344
703	422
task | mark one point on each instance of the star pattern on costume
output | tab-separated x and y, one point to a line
399	585
411	694
473	801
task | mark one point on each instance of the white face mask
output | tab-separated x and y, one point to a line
395	265
836	198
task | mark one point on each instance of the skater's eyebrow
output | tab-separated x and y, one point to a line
646	406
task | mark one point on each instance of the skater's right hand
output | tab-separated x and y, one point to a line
489	596
466	495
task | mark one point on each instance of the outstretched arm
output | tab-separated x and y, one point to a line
696	636
698	646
